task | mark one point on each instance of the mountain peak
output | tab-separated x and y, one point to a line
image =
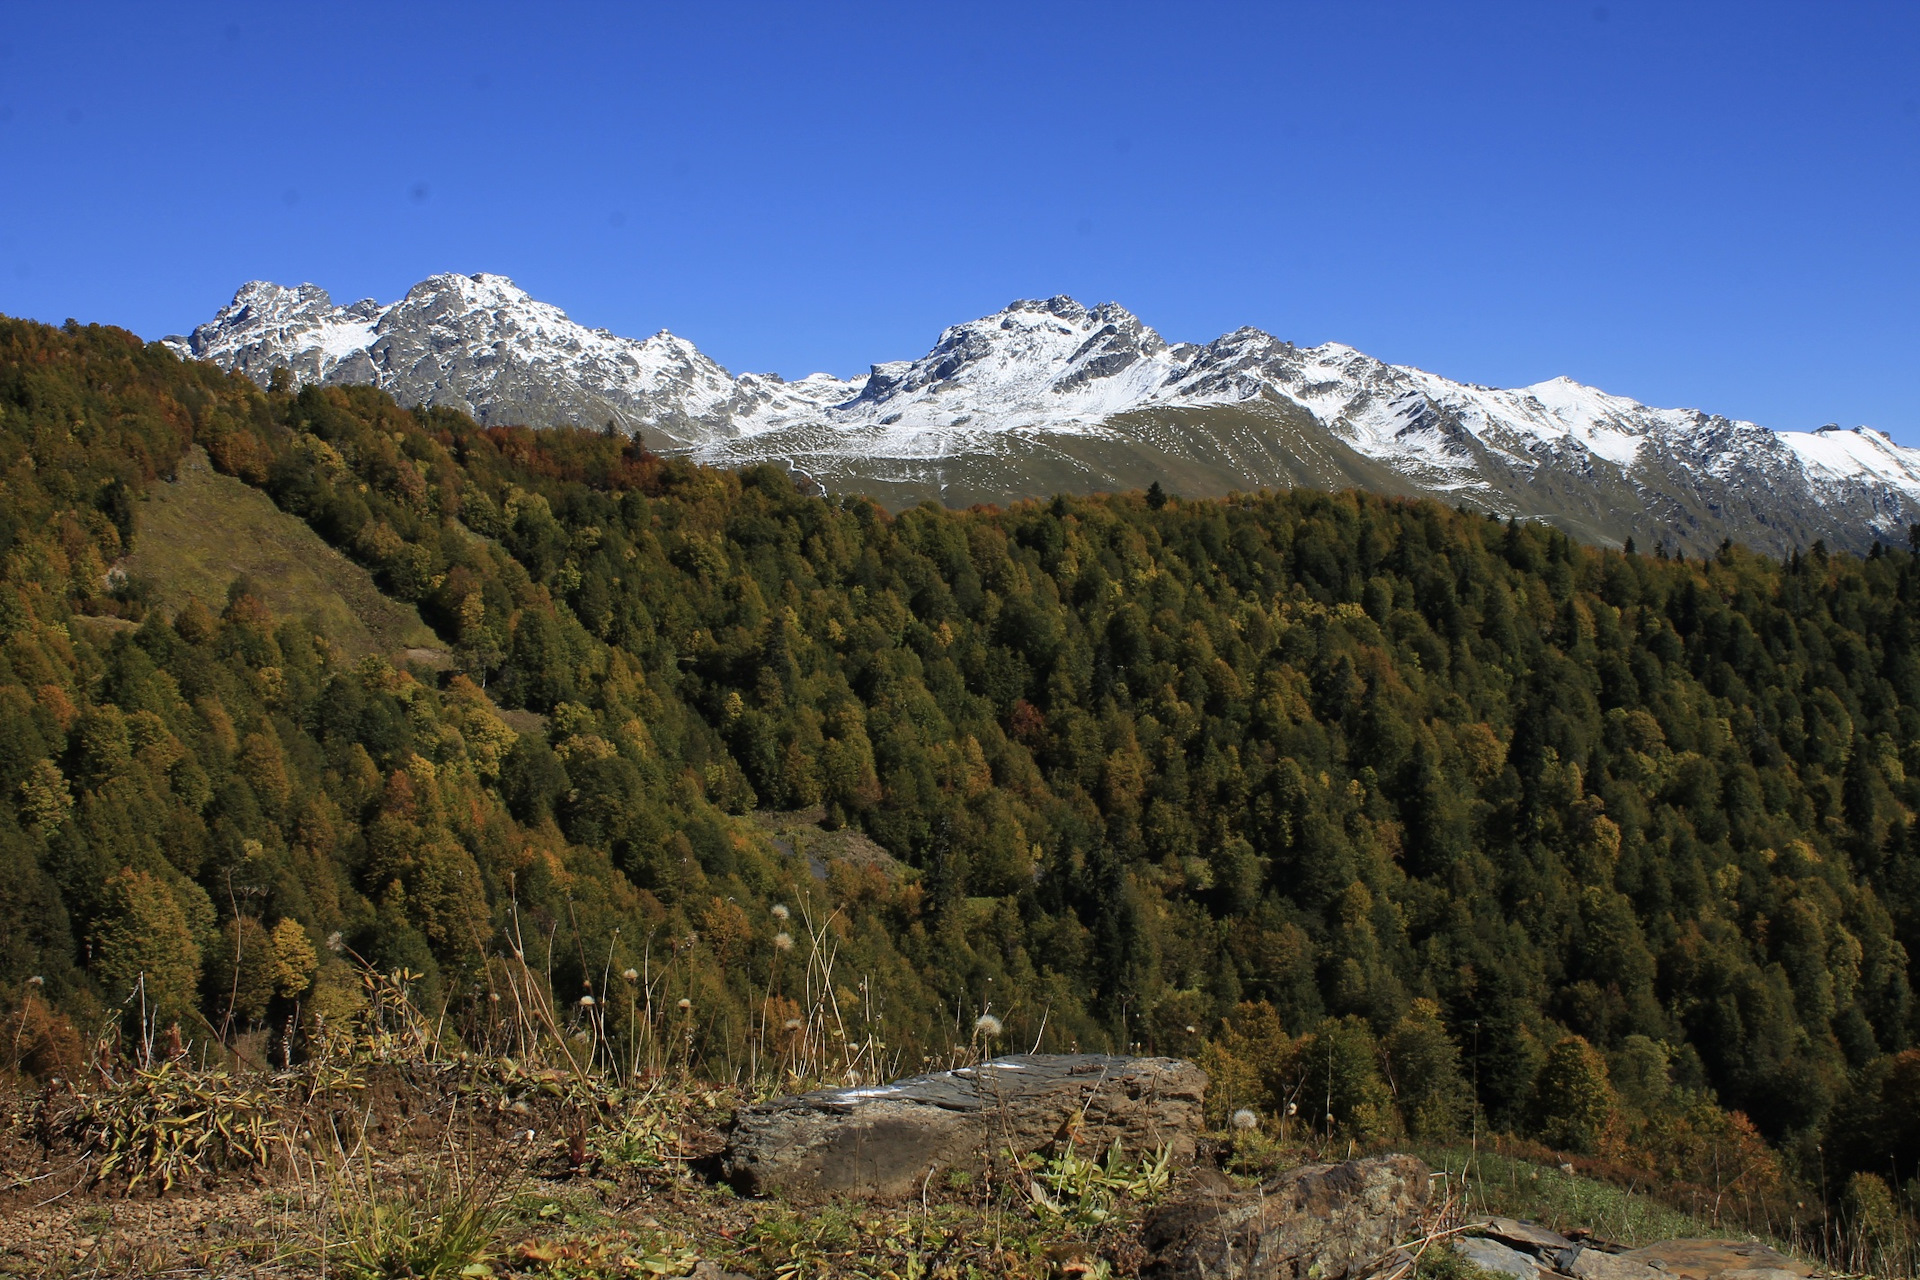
1050	393
481	289
1062	307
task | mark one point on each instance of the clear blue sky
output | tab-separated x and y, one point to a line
1714	205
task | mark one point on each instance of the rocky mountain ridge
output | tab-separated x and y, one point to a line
1052	395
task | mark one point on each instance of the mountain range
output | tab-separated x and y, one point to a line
1049	396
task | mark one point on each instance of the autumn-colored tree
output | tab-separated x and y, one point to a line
141	936
45	798
294	960
1573	1100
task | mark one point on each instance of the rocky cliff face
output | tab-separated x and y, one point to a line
1051	395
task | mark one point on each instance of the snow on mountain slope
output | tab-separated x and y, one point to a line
481	344
996	390
1052	363
1831	454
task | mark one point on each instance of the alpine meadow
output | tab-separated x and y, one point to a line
1406	823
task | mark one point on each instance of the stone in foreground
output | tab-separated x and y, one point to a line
1525	1235
1320	1222
1496	1258
1596	1264
884	1141
1711	1259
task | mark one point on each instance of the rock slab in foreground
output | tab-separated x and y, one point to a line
1596	1264
1498	1259
884	1140
1320	1222
1711	1259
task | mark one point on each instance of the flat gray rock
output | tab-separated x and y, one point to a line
885	1140
1705	1259
1526	1235
1596	1264
1497	1258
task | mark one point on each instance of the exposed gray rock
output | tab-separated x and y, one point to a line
1595	1264
884	1141
1527	1235
1320	1222
1692	1259
1498	1259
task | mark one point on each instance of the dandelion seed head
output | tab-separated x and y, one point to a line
586	1002
631	975
36	981
783	942
793	1024
685	1003
780	911
335	943
987	1025
1244	1119
1293	1108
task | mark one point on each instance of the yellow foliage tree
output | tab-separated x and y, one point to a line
142	935
1573	1098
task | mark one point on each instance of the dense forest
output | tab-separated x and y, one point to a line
1382	809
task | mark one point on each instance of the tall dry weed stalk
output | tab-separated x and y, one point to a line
810	1040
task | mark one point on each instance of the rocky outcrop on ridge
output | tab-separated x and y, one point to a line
885	1141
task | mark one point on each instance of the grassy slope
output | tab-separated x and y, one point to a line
197	534
1564	1201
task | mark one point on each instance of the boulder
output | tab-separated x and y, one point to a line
884	1141
1320	1222
1496	1258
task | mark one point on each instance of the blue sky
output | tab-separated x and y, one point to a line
1696	204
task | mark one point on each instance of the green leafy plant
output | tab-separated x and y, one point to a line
641	1136
1070	1187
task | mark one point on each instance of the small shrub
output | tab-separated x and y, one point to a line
169	1122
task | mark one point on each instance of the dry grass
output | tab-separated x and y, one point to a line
197	534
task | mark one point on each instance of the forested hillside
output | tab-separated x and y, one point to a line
1354	798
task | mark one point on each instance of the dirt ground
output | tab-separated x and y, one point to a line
580	1189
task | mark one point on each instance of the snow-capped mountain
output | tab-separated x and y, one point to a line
481	345
1050	395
